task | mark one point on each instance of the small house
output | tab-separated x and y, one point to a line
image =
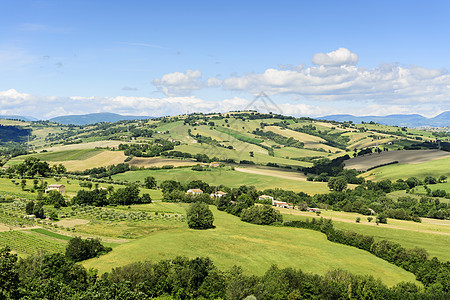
56	187
214	164
313	209
218	194
280	204
266	197
194	192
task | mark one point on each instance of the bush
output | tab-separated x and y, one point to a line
78	249
199	216
261	215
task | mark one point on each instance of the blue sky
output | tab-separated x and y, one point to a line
312	58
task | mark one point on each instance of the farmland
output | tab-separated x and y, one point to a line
289	158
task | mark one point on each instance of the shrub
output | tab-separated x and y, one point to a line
261	215
199	216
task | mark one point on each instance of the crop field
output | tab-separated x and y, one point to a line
65	155
29	243
280	173
259	157
85	145
159	162
433	168
227	177
362	163
310	141
102	159
239	135
253	247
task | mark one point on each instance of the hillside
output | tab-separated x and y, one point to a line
240	138
125	183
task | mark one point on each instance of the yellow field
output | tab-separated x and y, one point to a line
103	159
90	145
310	141
159	162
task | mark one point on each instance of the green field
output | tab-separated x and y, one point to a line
433	168
432	235
78	154
226	177
29	243
253	247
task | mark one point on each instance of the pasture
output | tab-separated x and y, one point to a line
253	247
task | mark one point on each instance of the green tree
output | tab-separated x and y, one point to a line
23	183
382	218
150	182
146	198
199	216
126	196
261	215
56	199
337	184
9	275
29	207
38	210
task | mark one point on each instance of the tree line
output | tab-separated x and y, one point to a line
54	276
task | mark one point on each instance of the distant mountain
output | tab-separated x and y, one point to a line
413	120
94	118
21	118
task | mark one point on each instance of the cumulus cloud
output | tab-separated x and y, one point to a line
177	83
385	83
13	102
341	56
213	82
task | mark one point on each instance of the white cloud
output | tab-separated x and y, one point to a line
13	102
383	84
213	82
341	56
177	83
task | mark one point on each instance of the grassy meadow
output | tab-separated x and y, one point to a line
433	235
253	247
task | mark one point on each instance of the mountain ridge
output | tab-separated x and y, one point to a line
407	120
95	118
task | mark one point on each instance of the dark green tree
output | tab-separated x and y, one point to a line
9	276
199	216
126	196
38	210
56	199
337	184
150	182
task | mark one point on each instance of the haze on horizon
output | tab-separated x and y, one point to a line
164	58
